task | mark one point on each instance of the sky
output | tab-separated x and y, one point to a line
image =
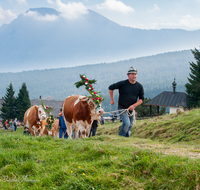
144	14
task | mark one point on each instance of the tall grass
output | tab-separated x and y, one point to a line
105	161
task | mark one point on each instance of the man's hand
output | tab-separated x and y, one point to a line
132	107
112	102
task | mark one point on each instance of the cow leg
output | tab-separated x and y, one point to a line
37	131
80	129
42	130
32	132
76	129
26	124
83	133
69	129
88	131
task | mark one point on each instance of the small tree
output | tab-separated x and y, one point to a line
144	110
193	86
22	102
8	108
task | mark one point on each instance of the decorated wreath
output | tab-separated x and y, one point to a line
50	118
96	96
50	121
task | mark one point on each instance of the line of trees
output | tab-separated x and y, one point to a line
15	107
156	73
193	85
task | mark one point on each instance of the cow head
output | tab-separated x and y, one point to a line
41	113
94	108
44	130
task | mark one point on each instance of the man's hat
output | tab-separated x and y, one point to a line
25	127
132	70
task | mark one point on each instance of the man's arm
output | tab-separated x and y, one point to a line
59	122
112	101
133	106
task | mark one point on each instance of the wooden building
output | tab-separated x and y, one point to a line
174	100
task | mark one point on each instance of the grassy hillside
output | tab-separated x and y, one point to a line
184	126
154	161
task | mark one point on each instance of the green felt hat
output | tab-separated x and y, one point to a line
132	70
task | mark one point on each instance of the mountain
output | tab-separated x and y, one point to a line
156	74
42	38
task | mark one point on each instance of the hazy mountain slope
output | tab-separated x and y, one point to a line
28	43
156	73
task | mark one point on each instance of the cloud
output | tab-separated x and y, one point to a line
186	22
50	2
6	16
37	16
71	10
155	8
189	21
115	5
21	2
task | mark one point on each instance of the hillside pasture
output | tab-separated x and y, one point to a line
146	160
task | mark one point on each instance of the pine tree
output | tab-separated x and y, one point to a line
22	102
193	86
8	108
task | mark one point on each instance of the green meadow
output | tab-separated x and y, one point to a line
162	153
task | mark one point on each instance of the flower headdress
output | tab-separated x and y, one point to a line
96	97
47	108
50	118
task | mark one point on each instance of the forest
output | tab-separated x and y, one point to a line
156	73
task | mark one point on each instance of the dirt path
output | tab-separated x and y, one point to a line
192	151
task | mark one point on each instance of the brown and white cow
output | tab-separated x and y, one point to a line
35	120
55	129
80	111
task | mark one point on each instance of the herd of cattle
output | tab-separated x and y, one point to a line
79	111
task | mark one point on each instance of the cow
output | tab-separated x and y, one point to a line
55	129
35	120
80	111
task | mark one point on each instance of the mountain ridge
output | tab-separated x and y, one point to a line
156	73
28	43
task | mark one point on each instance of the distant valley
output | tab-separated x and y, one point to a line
156	73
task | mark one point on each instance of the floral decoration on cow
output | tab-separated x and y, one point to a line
50	118
50	121
97	98
47	108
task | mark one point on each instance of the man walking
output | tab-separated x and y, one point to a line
129	92
93	128
63	128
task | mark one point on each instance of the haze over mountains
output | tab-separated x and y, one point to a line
41	38
156	74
